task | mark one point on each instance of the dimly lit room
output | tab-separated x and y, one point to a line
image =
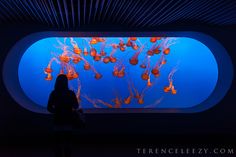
117	78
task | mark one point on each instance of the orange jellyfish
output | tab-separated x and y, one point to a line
171	86
166	51
102	52
48	77
117	101
167	42
93	52
115	46
87	66
122	45
99	39
93	41
134	46
133	38
149	83
115	71
156	69
98	76
131	95
85	51
71	73
143	66
106	60
49	69
112	58
104	103
97	57
76	48
129	43
150	52
145	75
134	59
76	59
119	70
153	39
64	58
145	62
141	101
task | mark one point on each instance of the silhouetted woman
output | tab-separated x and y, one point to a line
62	103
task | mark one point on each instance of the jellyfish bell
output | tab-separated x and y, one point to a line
153	39
133	61
163	61
48	70
97	57
93	41
106	60
93	52
166	51
115	46
155	71
69	76
121	44
135	46
145	76
87	66
140	101
48	77
115	72
113	59
85	52
129	43
76	59
127	100
122	48
98	76
75	75
133	38
121	74
149	84
150	52
103	53
143	66
64	58
100	39
156	50
77	50
173	90
166	89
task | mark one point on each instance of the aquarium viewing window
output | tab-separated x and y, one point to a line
142	72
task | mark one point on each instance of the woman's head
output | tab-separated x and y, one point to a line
61	82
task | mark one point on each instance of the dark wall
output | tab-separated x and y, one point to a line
219	121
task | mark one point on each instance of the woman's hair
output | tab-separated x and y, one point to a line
61	82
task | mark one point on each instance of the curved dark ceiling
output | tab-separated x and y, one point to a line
67	14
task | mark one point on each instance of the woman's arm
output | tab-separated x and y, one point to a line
74	101
51	105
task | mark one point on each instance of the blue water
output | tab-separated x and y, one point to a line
194	80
